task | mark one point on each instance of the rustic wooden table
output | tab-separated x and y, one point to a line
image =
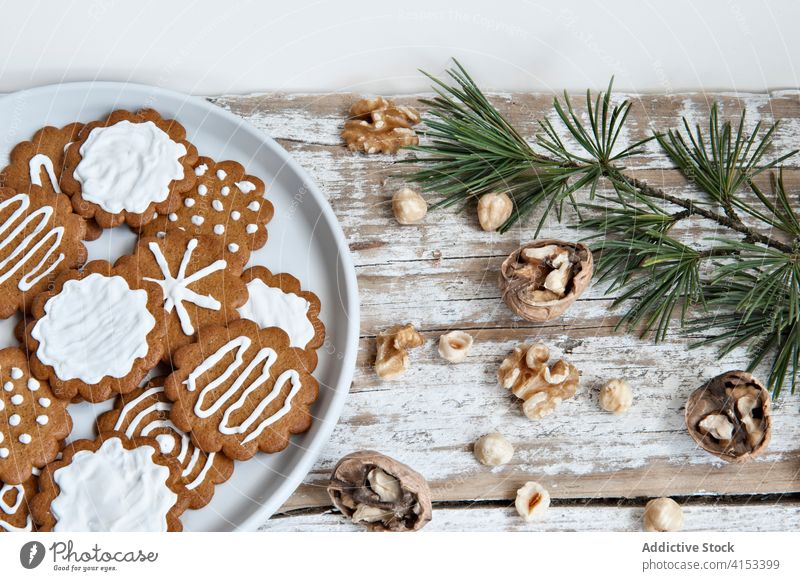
441	275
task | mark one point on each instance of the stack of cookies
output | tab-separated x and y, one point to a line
207	361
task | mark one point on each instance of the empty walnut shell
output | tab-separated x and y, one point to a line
380	492
522	283
729	416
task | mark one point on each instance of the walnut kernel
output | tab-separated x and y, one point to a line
663	515
542	386
493	450
532	501
455	345
379	125
494	209
391	360
408	206
616	396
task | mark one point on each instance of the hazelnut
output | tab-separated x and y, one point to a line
663	515
408	206
493	210
493	450
391	360
455	345
532	501
616	396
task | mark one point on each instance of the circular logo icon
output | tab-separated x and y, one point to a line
31	554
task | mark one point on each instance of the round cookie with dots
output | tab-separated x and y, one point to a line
128	167
110	484
199	279
33	421
15	516
96	333
144	413
40	162
277	300
226	204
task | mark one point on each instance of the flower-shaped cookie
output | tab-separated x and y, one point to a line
241	389
39	238
128	167
226	204
199	280
95	333
145	413
15	515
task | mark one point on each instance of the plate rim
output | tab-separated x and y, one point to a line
349	284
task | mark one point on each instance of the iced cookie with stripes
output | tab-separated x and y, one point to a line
15	514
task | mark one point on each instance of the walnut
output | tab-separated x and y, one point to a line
455	345
541	280
380	492
493	210
532	501
391	360
729	416
528	375
493	450
616	396
379	125
408	206
663	515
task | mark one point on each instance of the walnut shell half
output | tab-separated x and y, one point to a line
729	416
541	288
380	492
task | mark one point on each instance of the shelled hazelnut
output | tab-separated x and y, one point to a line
663	515
616	396
455	345
493	450
532	501
494	209
408	206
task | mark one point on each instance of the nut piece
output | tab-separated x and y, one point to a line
408	206
527	374
493	210
382	493
380	126
663	515
455	345
616	396
532	501
541	280
493	450
729	416
392	358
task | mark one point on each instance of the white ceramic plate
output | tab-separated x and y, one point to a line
305	240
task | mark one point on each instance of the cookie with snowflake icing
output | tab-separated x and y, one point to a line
240	389
277	300
144	413
110	484
128	167
199	279
40	237
15	514
95	333
226	204
32	420
40	162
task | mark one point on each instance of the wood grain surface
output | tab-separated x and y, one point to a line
441	275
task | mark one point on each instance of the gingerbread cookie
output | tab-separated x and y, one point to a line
200	282
277	300
225	204
39	237
15	514
128	167
95	333
32	420
40	162
111	484
145	413
241	389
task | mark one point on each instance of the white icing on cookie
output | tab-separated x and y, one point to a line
44	402
221	174
16	373
188	202
4	452
245	186
42	420
202	190
35	166
25	438
17	399
13	508
217	205
198	220
225	190
235	215
114	490
271	307
128	166
173	217
201	170
253	206
233	247
251	229
14	420
19	249
2	407
8	386
33	385
95	327
176	288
